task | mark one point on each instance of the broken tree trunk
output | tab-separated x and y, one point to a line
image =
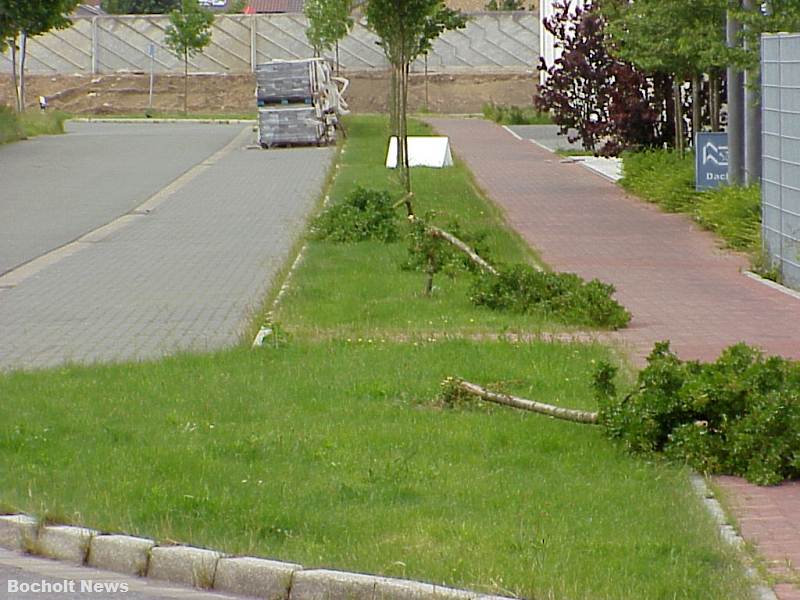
454	241
567	414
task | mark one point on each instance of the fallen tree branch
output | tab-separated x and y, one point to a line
567	414
454	241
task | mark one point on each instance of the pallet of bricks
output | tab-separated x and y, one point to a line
294	105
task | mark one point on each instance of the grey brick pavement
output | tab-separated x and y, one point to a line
186	276
55	188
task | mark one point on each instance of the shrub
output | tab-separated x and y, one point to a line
515	115
521	288
739	415
363	215
734	213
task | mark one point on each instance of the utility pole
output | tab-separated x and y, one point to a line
752	116
735	107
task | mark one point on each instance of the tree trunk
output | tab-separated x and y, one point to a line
427	100
714	99
406	165
185	82
14	72
337	58
677	98
23	51
696	108
454	241
567	414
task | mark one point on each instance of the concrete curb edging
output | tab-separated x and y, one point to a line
730	535
209	569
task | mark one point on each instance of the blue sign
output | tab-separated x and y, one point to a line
710	160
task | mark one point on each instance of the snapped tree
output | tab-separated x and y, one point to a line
22	20
188	33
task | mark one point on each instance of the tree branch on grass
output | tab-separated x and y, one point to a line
566	414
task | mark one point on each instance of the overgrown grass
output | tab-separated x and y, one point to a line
15	126
332	454
515	115
663	177
360	289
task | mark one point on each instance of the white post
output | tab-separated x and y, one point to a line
95	46
253	42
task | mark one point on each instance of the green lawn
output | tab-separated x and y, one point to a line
333	454
330	448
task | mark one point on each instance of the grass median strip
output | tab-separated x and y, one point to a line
331	454
328	447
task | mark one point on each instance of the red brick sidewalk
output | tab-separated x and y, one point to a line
671	275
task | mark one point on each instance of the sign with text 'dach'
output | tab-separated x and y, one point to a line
710	160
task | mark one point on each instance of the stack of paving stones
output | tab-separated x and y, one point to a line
209	569
288	97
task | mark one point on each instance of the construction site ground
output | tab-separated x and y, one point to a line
128	93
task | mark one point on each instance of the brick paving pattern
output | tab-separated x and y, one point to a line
673	277
185	277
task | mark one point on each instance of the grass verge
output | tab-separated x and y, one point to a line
334	453
331	454
667	179
360	290
15	126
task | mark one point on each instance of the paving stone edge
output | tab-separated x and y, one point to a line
200	567
728	533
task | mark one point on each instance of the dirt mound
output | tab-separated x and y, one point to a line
128	93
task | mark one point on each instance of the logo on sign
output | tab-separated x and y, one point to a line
715	155
711	160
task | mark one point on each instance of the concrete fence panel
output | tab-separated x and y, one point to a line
780	189
507	41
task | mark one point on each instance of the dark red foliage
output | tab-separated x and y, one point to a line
610	104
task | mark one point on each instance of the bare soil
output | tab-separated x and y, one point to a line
233	94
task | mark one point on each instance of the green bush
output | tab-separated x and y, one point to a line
521	288
515	115
739	415
363	215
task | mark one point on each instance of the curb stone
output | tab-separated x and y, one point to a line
184	564
209	569
120	553
63	542
323	584
256	577
17	532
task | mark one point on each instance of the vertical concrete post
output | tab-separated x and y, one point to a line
735	109
253	42
752	117
95	46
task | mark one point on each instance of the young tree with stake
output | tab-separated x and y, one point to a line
188	33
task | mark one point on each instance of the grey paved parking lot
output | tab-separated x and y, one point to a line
55	188
185	276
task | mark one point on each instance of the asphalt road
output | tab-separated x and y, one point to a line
25	577
545	135
55	188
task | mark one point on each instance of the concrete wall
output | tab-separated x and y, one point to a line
491	41
780	190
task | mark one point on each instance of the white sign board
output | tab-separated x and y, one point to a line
427	151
